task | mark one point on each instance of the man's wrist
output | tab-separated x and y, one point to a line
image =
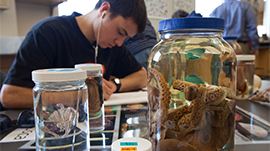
118	84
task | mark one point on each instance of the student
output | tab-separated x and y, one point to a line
62	42
141	44
240	22
180	14
194	14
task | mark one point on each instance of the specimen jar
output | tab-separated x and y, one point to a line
191	87
61	109
245	76
94	82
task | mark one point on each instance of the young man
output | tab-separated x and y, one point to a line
62	42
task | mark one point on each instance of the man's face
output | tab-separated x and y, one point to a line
114	31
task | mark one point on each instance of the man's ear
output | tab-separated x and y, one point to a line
105	7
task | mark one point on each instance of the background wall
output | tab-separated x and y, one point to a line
17	20
8	20
158	10
28	14
20	17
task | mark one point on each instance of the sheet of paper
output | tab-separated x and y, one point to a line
20	134
29	145
127	98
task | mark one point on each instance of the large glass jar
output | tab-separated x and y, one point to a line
191	87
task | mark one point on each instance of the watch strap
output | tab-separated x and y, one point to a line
117	83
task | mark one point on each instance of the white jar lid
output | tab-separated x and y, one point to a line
130	143
89	66
245	57
58	75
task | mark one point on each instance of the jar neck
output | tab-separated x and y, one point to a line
191	33
94	73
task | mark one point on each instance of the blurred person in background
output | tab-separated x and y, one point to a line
179	14
194	14
240	22
141	44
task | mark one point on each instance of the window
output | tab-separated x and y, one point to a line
80	6
201	8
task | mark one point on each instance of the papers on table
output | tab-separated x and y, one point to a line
20	134
127	98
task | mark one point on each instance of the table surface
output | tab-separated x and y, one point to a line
261	110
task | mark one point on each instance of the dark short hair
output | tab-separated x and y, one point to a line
179	13
134	9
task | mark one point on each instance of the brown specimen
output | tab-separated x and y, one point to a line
206	124
94	99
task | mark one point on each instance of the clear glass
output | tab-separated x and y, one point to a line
191	91
94	83
245	79
61	116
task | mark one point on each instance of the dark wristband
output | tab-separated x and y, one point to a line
117	82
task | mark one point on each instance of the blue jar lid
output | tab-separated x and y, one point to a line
230	38
191	23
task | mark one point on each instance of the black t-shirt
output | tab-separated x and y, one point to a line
57	42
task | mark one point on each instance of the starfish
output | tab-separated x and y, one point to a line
64	119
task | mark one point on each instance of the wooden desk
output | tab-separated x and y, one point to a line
262	61
6	62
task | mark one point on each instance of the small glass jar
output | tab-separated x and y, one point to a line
61	109
235	45
191	87
94	83
245	76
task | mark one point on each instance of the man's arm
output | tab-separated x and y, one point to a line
251	28
15	97
134	81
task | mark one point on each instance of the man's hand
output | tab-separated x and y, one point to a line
108	89
256	53
134	81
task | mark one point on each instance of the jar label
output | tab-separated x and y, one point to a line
128	148
128	144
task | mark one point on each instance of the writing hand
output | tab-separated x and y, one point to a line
108	89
